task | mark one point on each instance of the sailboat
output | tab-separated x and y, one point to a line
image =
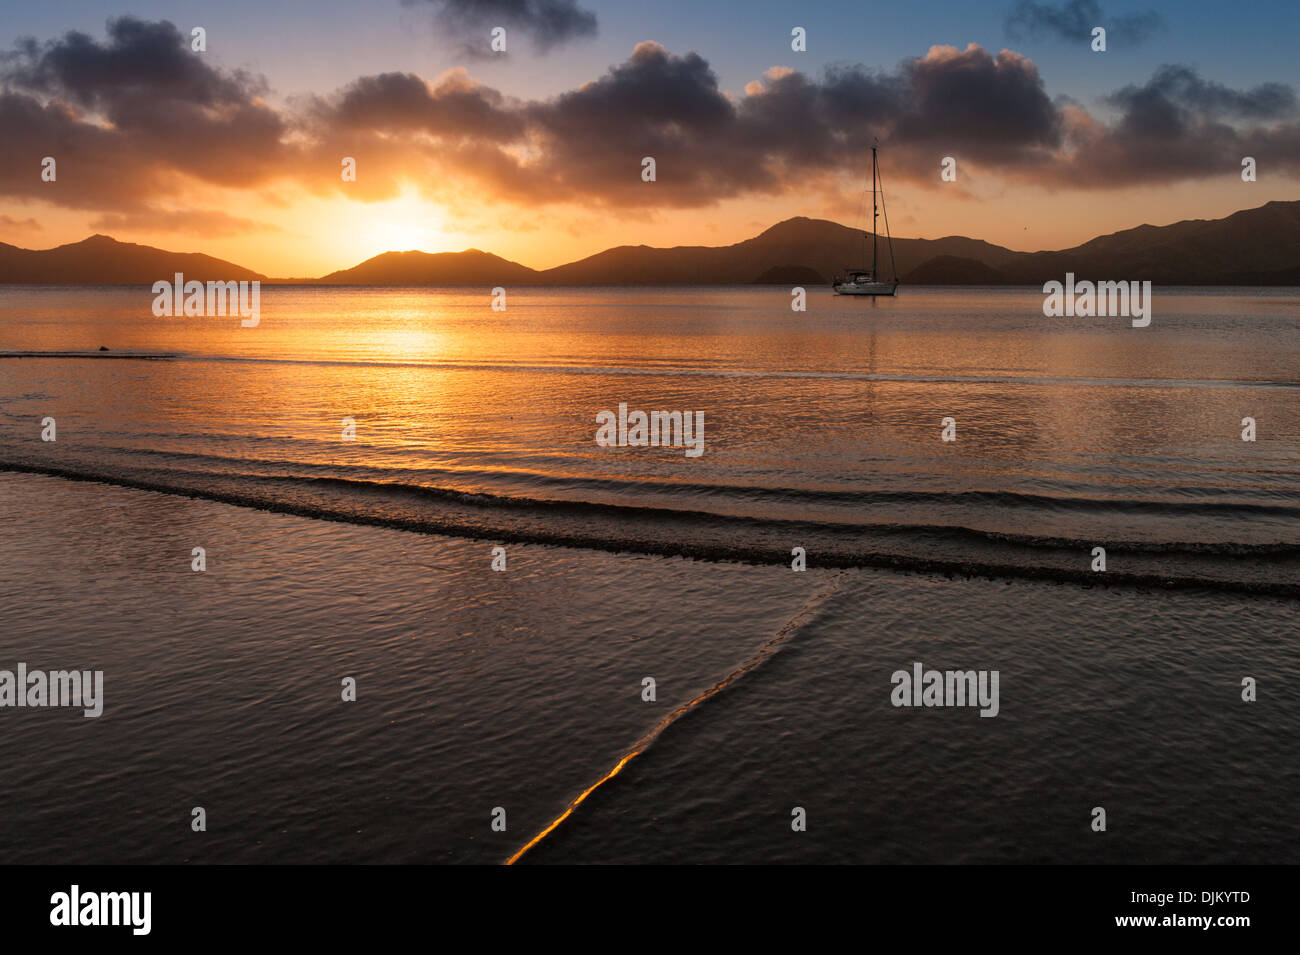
866	281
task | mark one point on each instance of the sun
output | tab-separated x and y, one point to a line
387	236
407	223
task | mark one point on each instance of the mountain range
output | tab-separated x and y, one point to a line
1258	246
101	260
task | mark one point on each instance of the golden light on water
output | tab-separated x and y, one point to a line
791	627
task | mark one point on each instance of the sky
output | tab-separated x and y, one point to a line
536	153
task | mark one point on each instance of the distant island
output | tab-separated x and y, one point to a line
1258	246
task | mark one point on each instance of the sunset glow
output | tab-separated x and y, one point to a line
536	157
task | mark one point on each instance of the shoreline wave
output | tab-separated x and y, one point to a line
1271	569
616	370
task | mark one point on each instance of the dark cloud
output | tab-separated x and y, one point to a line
995	108
97	167
1180	90
133	137
1074	20
454	107
163	111
587	144
1179	126
792	132
546	23
655	104
140	57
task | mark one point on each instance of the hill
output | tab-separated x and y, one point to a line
470	267
100	260
816	245
954	270
1254	246
1256	241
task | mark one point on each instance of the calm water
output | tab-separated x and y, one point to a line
521	689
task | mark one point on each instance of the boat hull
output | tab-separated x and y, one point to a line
865	288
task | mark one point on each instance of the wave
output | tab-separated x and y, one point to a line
123	356
808	612
999	498
558	482
666	371
1269	568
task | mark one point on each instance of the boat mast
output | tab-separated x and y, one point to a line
875	212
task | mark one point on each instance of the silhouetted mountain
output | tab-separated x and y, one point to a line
954	270
470	267
1263	243
826	248
100	260
1276	277
1254	246
1257	241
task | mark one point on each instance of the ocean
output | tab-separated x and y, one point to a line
490	701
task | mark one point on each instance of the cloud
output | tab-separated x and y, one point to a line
546	23
140	57
211	223
11	225
792	132
127	117
1179	89
1073	21
787	133
993	108
454	106
1179	126
96	167
135	139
